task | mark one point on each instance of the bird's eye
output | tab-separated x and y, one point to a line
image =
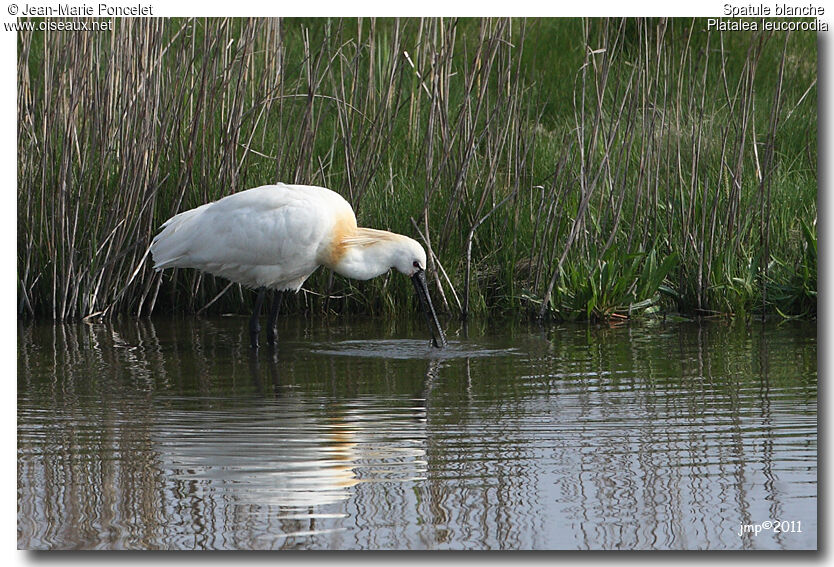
416	264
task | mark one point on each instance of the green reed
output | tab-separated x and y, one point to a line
559	168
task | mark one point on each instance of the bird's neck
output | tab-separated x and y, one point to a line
365	254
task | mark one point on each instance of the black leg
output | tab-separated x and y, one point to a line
277	299
255	370
254	323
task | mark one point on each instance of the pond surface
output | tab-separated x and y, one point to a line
171	434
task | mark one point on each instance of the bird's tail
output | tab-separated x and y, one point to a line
170	248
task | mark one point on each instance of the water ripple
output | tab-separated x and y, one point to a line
404	349
573	438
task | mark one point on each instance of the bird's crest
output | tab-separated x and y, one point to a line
368	237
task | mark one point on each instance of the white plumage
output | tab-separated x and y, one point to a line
276	236
272	236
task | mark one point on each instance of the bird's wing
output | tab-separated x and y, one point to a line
260	231
262	236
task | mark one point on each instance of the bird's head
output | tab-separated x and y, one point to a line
410	257
368	253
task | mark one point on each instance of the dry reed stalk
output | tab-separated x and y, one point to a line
436	119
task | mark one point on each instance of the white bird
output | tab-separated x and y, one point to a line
276	236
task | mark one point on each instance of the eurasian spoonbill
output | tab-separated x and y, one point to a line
275	236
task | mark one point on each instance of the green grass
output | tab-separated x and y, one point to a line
576	169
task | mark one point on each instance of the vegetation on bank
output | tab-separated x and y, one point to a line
562	168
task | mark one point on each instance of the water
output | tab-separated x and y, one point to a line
171	435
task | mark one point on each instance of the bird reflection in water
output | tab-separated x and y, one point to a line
299	456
